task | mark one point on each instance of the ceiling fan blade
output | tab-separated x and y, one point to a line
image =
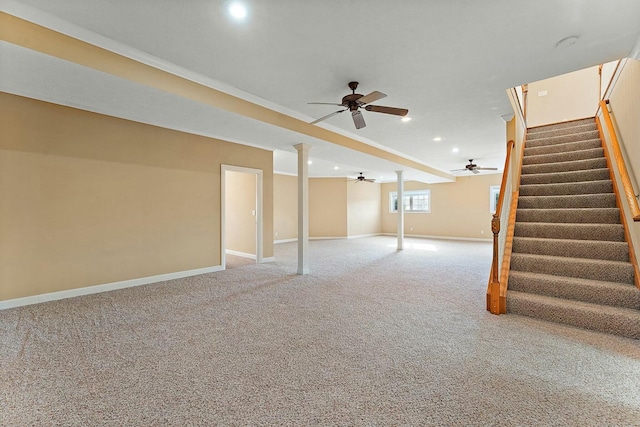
358	120
327	116
387	110
458	170
487	169
373	96
325	103
475	171
370	180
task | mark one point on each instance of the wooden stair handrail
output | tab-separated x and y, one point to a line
627	187
493	300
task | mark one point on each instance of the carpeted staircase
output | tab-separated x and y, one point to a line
570	261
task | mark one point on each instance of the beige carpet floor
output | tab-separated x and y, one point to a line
372	337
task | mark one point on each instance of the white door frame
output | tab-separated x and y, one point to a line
259	210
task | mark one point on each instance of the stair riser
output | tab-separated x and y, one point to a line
558	202
608	232
607	271
561	177
611	251
576	216
542	134
541	139
563	148
570	188
587	164
602	322
592	153
570	126
610	294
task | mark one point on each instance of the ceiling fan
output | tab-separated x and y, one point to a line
354	101
361	178
473	168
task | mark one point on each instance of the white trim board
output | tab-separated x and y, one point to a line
275	242
240	254
425	236
360	236
328	238
88	290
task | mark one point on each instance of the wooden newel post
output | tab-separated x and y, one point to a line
494	287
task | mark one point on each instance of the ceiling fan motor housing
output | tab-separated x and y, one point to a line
350	101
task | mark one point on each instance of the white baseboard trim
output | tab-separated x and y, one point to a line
328	238
240	254
275	242
425	236
268	259
360	236
88	290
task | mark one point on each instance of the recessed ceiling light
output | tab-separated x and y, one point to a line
336	168
237	10
405	119
437	138
455	150
309	162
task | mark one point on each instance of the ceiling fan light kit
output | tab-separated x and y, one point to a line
354	101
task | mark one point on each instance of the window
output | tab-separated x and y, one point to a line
494	194
414	201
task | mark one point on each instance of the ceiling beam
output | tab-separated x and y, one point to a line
36	37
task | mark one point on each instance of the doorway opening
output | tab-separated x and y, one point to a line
241	216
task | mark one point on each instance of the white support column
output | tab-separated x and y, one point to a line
400	212
303	208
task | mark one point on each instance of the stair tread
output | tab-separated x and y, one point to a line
604	283
562	174
562	302
564	166
601	186
576	241
560	210
574	259
586	268
540	136
588	121
614	294
596	317
568	145
590	153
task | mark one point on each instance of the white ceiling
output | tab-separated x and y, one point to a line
449	62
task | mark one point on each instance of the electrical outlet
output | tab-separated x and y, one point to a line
542	93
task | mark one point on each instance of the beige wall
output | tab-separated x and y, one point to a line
240	212
285	207
458	209
569	96
327	207
625	114
88	199
363	208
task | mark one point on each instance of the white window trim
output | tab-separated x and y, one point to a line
406	194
